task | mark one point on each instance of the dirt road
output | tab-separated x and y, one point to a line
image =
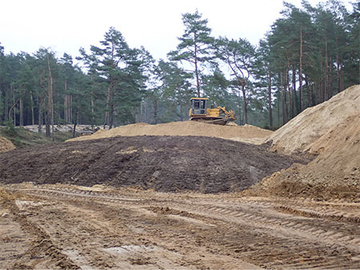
61	226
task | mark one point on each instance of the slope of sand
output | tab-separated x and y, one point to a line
331	130
303	132
6	145
247	133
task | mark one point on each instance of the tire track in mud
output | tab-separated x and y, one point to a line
268	234
42	249
297	234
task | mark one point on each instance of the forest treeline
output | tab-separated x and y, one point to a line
310	54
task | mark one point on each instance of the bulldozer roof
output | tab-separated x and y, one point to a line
199	98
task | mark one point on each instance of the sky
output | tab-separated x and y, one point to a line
67	25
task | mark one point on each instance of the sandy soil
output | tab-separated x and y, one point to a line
247	133
6	145
302	215
309	131
331	131
68	227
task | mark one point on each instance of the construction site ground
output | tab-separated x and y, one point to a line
187	195
71	227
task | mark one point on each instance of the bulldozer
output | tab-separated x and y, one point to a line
199	111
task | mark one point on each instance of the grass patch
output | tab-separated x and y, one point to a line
23	138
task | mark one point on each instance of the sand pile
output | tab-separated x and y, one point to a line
304	131
331	130
247	133
6	145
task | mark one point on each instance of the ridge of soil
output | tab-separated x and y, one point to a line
247	133
163	163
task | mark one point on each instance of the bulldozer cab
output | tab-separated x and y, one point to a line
198	106
200	112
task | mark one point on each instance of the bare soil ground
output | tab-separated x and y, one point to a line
247	133
69	227
142	202
6	145
166	163
331	130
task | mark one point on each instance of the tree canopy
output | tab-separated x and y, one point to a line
308	55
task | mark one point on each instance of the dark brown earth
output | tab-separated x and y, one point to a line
204	164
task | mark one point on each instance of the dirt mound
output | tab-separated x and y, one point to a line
335	173
162	163
247	133
302	132
6	145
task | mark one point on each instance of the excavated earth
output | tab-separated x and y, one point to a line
331	131
103	201
162	163
6	145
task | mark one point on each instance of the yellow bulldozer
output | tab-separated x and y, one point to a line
199	111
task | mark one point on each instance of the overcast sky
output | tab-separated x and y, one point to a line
67	25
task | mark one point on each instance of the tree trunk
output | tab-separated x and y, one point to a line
320	87
245	104
49	121
283	101
65	102
75	122
287	89
326	72
331	77
21	105
155	111
32	109
92	105
342	83
295	105
111	116
270	100
181	108
196	69
92	112
309	94
141	111
240	114
13	107
40	115
12	112
108	99
6	105
337	66
47	124
300	71
278	108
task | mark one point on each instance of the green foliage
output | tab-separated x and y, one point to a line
10	128
23	138
310	54
195	45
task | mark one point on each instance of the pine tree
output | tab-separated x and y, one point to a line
195	45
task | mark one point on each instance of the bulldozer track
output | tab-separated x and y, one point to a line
269	233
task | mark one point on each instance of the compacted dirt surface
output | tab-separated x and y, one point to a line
189	196
70	227
163	163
